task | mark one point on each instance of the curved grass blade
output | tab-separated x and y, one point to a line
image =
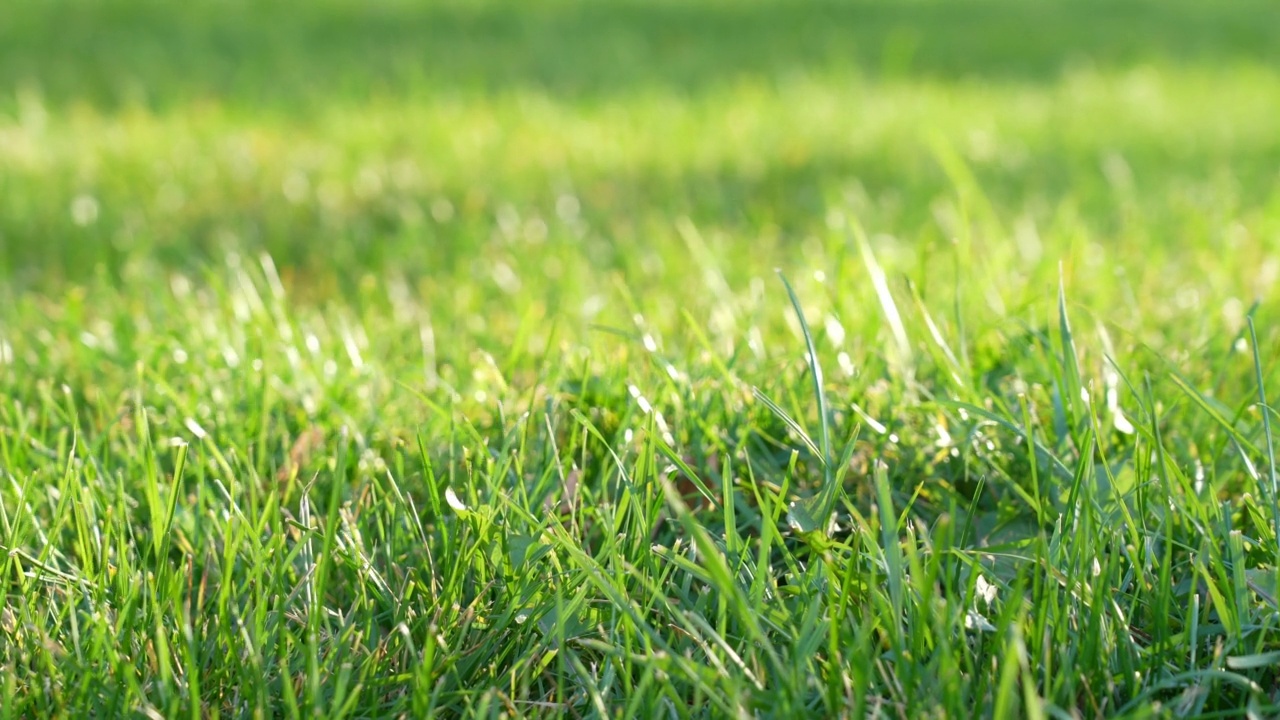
817	514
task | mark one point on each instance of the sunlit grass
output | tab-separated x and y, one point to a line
479	394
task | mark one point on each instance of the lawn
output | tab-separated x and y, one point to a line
773	358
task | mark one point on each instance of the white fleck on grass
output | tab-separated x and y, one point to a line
877	426
441	210
568	207
296	187
846	364
454	502
84	210
645	407
974	620
505	278
835	331
944	440
985	591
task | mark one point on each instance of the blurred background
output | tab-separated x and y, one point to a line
422	136
506	164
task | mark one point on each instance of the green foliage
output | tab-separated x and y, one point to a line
397	359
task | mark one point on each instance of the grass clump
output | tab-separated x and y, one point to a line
432	361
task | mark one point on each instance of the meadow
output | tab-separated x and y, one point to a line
777	358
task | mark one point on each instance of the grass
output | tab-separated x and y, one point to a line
385	360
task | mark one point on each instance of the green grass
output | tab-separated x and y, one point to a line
377	360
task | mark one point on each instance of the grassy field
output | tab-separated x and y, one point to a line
639	359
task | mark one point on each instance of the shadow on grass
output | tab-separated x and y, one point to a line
630	216
291	56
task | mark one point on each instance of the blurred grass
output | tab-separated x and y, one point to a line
185	125
292	58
